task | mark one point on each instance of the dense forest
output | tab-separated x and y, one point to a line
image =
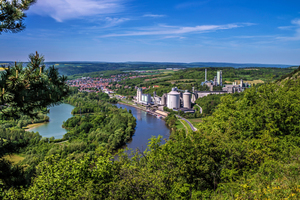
101	124
247	149
209	103
231	74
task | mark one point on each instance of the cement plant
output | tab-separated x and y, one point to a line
182	100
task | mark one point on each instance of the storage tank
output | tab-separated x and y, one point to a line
187	100
164	99
139	94
173	99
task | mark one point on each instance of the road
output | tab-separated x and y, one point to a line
200	108
189	123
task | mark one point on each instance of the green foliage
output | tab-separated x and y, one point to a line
24	90
107	126
60	178
290	75
12	15
249	148
231	74
76	68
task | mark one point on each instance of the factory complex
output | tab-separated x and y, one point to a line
182	100
176	100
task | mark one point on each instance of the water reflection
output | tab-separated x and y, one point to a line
58	114
147	126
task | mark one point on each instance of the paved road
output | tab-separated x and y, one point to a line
200	108
189	123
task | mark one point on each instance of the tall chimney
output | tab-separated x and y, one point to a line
205	75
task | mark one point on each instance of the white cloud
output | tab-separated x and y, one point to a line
174	37
296	27
154	16
62	10
114	21
176	30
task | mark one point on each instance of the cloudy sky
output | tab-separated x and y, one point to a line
239	31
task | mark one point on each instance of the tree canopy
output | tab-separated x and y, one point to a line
30	88
12	14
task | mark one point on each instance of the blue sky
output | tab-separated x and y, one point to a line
236	31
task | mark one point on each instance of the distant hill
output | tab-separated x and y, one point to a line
236	65
71	68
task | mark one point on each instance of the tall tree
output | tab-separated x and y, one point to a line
26	89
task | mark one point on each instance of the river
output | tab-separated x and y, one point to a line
147	125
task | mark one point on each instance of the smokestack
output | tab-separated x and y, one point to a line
205	75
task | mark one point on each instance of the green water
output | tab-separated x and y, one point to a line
57	115
147	125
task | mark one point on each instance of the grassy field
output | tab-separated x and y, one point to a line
187	126
179	125
14	158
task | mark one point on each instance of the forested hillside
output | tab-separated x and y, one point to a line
247	149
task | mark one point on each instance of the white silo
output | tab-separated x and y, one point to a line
173	99
164	99
139	94
187	100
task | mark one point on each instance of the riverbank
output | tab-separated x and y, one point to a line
141	108
29	127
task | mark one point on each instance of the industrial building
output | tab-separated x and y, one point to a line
187	100
176	99
143	98
236	87
173	100
217	80
182	99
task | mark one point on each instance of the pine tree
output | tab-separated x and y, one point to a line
12	14
23	90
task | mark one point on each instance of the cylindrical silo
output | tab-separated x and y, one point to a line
187	100
173	99
164	99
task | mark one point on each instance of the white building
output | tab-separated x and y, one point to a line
173	100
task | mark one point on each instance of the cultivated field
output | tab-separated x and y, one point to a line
251	82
